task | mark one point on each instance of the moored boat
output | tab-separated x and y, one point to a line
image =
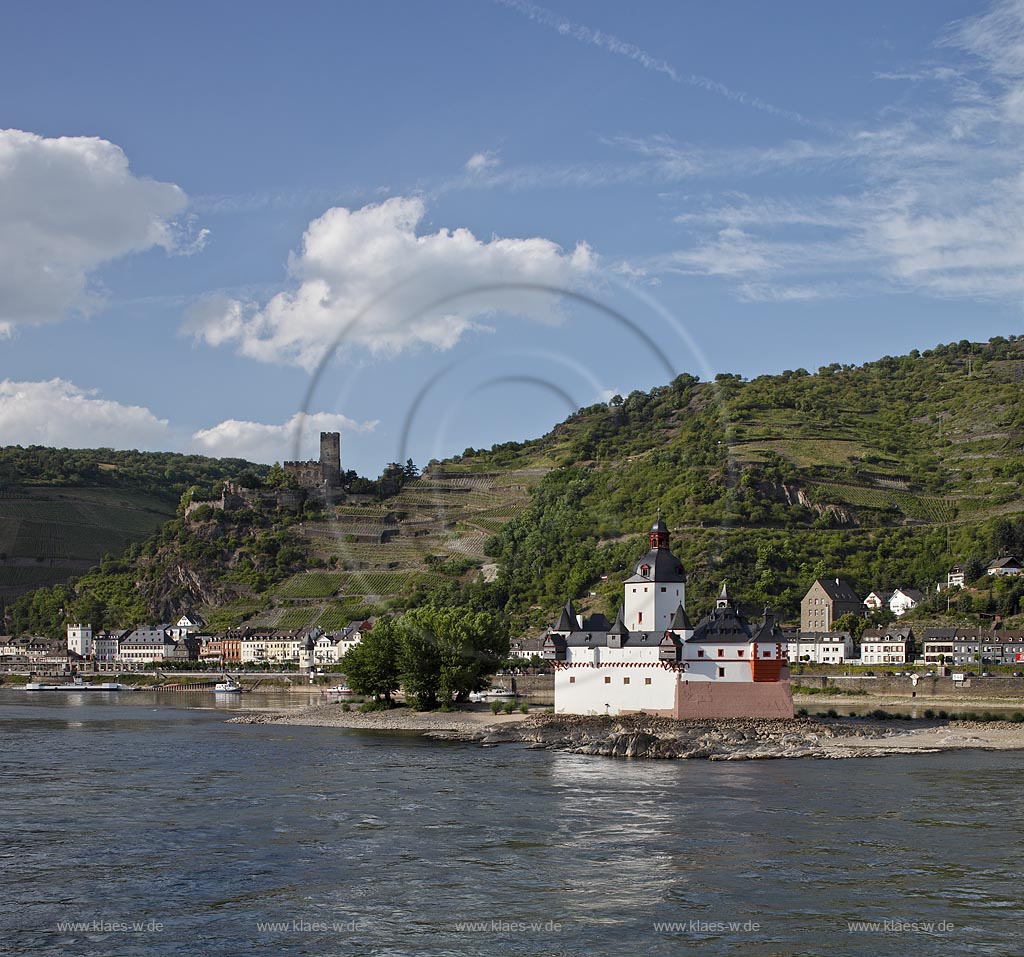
77	684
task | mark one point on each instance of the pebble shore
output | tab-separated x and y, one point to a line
644	736
398	719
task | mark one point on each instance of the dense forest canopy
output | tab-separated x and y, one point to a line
159	473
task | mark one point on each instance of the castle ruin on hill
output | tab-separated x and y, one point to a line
316	479
324	473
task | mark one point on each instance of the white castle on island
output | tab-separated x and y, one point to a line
653	660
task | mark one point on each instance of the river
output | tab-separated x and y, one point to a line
143	825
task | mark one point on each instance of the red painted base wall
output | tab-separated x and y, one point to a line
719	699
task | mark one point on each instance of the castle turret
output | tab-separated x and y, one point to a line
657	586
80	639
307	654
568	621
330	458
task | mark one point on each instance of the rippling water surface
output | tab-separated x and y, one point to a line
180	834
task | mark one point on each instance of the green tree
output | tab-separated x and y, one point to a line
371	666
277	477
854	624
447	653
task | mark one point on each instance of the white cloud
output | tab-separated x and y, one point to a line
365	278
58	413
482	162
994	37
935	205
67	206
258	442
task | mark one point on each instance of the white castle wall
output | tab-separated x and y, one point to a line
649	606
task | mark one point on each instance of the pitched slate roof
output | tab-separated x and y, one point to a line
619	628
819	637
1008	561
903	633
681	621
568	621
838	589
722	625
599	639
664	567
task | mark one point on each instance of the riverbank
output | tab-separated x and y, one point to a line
751	738
904	702
644	736
332	715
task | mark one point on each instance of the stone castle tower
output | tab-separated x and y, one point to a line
330	458
325	473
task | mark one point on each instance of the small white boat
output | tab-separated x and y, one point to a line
492	694
227	687
341	692
77	684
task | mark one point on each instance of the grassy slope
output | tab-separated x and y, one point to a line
49	534
440	525
62	510
866	471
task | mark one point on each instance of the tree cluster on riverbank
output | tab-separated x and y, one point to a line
438	656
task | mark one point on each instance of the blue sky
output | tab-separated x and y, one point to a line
484	213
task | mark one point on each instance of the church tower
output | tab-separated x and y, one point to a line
657	587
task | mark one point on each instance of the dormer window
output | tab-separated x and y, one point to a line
645	570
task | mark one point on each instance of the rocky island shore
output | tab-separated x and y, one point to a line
645	736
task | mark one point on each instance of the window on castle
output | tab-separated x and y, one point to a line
640	615
721	672
700	653
664	589
645	570
572	679
740	652
607	681
625	681
647	681
721	652
766	654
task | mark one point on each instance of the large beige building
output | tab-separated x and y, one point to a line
825	601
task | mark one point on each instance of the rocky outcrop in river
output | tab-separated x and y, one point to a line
644	736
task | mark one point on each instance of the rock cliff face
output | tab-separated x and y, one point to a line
183	587
792	495
644	736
